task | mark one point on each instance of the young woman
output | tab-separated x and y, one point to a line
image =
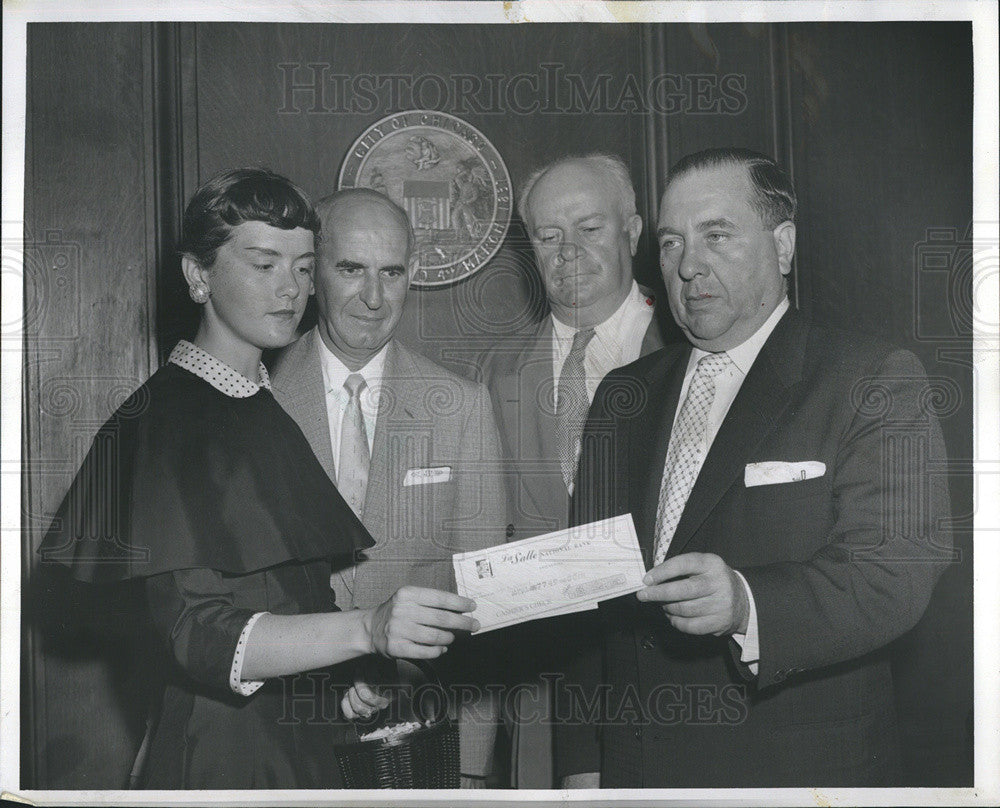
204	488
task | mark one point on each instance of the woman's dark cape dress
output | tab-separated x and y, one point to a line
219	504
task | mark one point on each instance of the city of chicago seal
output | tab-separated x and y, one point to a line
448	177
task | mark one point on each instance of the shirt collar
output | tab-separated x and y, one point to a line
744	354
216	372
335	372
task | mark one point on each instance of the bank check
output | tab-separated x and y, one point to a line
556	573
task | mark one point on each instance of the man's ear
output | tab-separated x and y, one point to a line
634	230
784	245
194	273
412	265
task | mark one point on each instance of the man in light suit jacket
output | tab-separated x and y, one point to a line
412	447
580	213
788	486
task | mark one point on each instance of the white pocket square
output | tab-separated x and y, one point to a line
424	476
772	472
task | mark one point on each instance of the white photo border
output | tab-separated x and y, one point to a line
983	16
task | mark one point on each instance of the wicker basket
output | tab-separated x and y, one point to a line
426	757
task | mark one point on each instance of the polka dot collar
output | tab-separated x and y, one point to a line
217	373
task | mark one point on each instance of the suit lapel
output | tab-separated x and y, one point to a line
532	424
754	413
399	402
537	407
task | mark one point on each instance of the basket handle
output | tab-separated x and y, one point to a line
433	679
425	666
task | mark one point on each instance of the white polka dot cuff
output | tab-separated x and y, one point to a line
236	683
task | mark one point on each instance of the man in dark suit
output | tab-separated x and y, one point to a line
787	483
581	216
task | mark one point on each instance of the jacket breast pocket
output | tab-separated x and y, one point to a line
421	511
794	516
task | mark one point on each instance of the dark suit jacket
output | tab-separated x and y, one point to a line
838	565
518	373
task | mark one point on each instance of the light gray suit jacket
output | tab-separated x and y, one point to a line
427	418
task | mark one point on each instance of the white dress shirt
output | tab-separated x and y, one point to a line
335	373
727	385
616	342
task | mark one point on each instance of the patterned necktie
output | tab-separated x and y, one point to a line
352	470
688	447
572	404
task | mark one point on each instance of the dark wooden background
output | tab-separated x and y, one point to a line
124	120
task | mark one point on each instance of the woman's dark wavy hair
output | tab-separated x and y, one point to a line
241	195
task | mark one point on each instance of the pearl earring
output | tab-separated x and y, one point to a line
199	294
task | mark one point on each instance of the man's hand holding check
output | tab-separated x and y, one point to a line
700	594
556	573
572	570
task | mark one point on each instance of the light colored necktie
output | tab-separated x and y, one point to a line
688	447
352	470
572	404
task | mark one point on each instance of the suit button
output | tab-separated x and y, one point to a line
638	734
510	530
648	643
780	675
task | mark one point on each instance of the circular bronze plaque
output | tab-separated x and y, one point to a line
451	181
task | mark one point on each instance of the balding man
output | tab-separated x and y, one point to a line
580	214
412	447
